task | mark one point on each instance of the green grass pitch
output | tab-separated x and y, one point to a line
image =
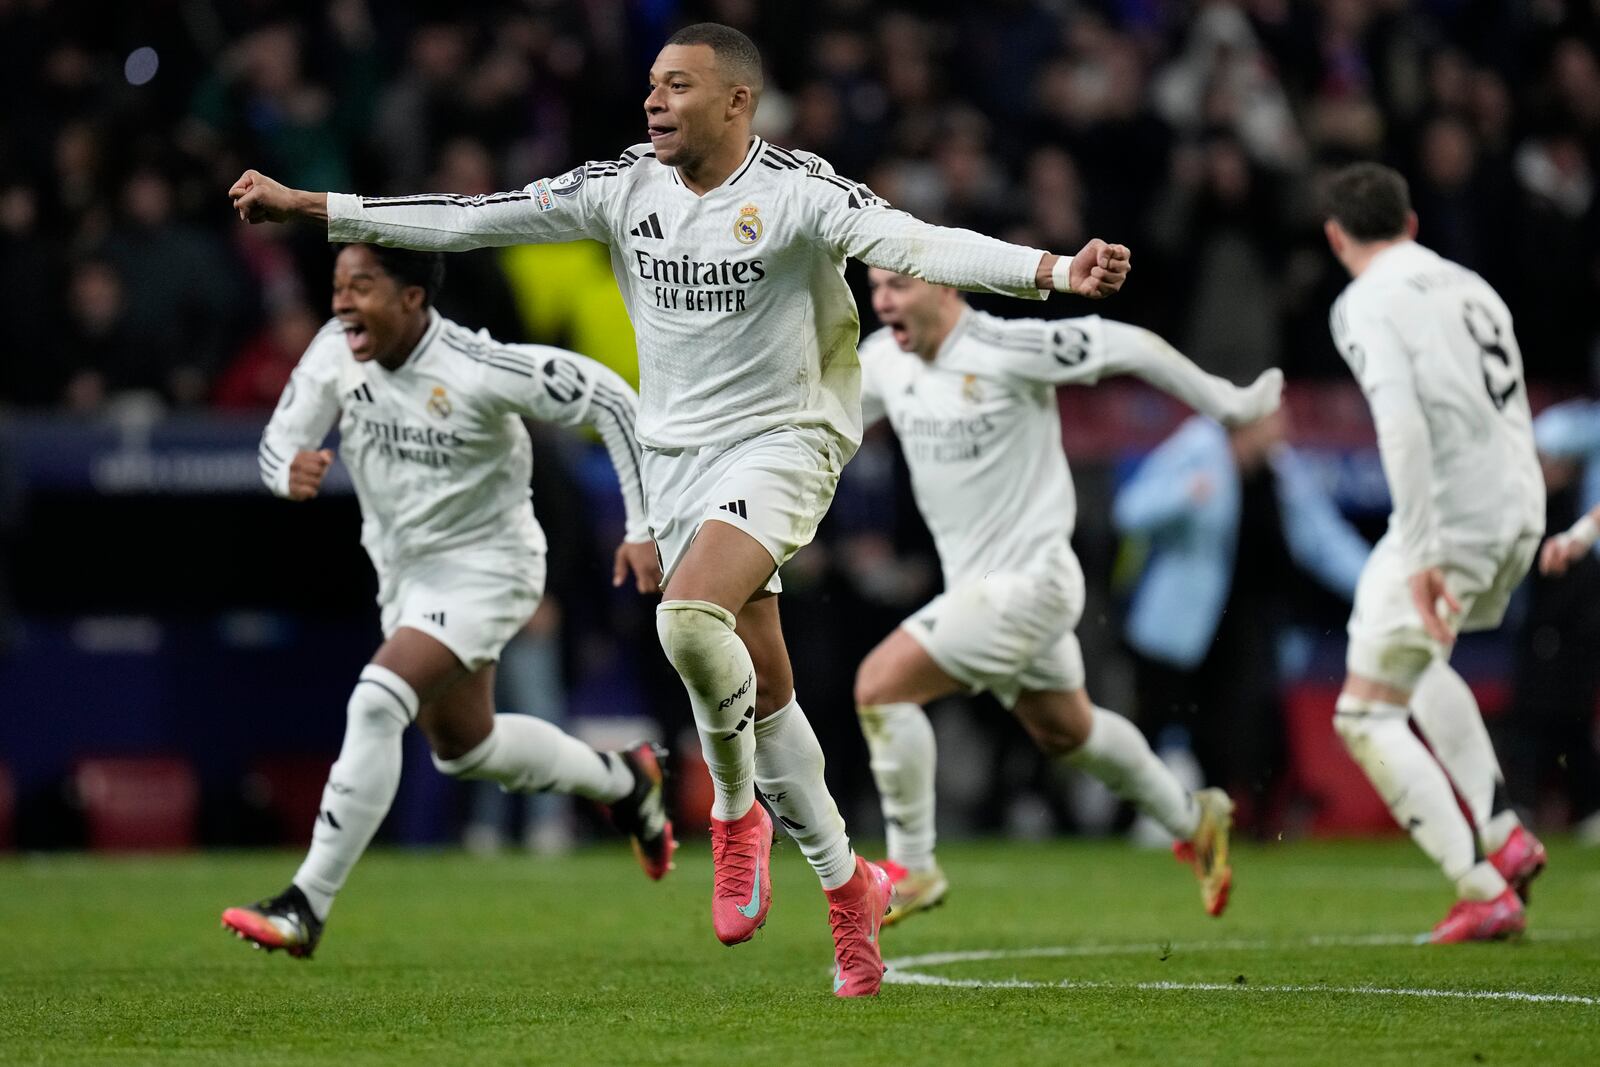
1063	952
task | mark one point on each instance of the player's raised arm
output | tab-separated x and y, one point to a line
291	462
857	223
557	386
1083	351
549	210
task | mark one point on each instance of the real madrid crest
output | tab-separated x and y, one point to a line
439	403
747	229
970	391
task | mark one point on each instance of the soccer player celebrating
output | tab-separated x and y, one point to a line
972	399
430	426
1432	346
730	254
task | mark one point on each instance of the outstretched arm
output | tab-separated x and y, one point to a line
1082	351
554	385
1144	355
855	222
568	208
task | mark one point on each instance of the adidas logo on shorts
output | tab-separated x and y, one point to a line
735	507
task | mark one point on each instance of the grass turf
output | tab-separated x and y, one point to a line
434	958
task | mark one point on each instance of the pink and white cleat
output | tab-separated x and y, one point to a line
1481	920
1520	860
741	889
855	911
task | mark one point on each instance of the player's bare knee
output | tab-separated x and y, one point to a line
449	736
872	684
769	701
1059	723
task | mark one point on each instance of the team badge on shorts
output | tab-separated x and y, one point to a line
747	230
439	403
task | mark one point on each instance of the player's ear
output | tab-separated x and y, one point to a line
412	298
1336	239
1412	225
741	101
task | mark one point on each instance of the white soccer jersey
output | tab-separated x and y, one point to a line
738	297
1432	346
437	449
981	432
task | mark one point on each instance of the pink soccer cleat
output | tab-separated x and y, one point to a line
642	814
1520	860
855	911
1481	920
741	881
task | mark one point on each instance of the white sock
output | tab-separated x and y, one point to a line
528	755
904	758
1447	714
1117	754
789	773
361	784
1378	737
699	641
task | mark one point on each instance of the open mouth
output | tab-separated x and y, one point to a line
659	133
901	335
357	337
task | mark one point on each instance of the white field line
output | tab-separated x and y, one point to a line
905	970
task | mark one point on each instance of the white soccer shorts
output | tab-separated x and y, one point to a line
775	486
1009	632
1387	641
470	602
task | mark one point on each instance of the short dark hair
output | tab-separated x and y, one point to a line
736	54
425	269
1372	202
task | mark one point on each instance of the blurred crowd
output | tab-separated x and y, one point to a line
1193	132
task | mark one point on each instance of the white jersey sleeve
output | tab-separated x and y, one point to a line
873	407
572	207
568	389
1371	343
306	411
1082	351
850	220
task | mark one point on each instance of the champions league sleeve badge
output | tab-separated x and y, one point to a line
568	183
747	228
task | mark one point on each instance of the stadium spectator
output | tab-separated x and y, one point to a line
1224	118
255	380
1548	736
1230	517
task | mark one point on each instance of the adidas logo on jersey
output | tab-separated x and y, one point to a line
735	507
650	227
361	392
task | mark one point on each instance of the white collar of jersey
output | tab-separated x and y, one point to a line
756	145
435	324
1394	252
952	338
